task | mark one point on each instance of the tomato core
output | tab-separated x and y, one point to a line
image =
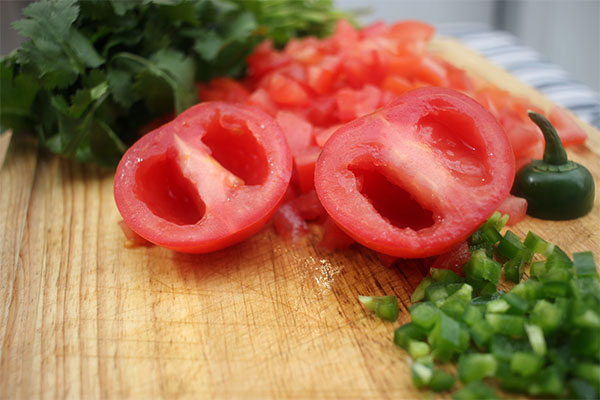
167	193
391	201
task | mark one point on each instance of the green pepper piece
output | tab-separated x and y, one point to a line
555	187
385	307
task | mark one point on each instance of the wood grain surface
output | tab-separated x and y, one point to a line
81	316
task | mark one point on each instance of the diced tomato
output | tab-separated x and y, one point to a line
515	207
320	79
306	51
265	59
525	138
402	65
286	91
569	131
324	134
297	130
386	260
304	161
411	36
333	237
458	78
454	258
352	104
309	206
396	84
430	70
321	111
376	29
223	89
288	222
344	36
260	98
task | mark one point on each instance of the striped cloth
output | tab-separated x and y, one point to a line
504	50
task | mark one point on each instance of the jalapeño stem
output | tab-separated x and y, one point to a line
554	151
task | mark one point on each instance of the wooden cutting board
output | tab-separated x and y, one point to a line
83	317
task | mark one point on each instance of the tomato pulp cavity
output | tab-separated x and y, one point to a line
418	176
209	178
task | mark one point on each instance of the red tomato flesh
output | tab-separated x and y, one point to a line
418	176
209	178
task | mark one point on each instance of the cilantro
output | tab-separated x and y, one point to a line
94	71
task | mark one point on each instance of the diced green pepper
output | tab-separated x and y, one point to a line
407	332
481	332
419	293
503	347
585	341
505	324
589	372
514	269
546	315
585	264
476	366
436	292
518	305
558	259
385	307
537	268
580	389
422	373
584	315
555	289
510	246
480	266
549	382
418	349
441	381
536	339
445	276
455	304
530	290
525	364
497	306
515	383
476	390
424	314
472	314
537	244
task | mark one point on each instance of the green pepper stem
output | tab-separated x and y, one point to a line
554	152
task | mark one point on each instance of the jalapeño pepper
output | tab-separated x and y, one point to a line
555	187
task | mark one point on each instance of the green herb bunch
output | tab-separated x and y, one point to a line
94	71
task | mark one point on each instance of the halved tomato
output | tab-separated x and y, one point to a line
209	178
416	177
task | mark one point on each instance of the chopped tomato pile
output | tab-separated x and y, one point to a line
382	155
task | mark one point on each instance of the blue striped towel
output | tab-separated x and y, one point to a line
504	50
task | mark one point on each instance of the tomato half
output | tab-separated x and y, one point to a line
416	177
209	178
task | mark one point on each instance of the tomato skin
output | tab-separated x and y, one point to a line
443	159
208	179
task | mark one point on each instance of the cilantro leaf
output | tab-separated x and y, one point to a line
93	72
